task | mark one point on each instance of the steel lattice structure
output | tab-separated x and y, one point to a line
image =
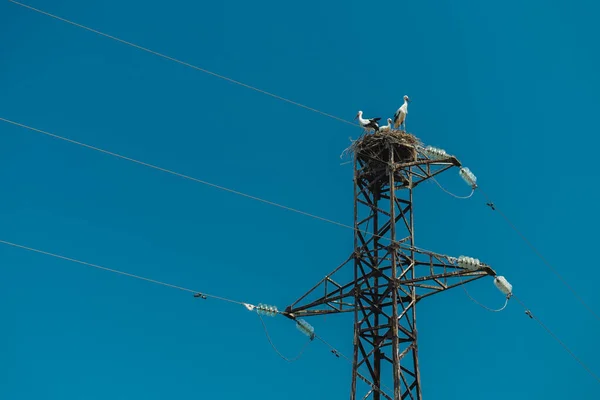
391	275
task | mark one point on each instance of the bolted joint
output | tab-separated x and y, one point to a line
357	254
288	313
394	246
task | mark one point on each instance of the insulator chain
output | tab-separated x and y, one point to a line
305	328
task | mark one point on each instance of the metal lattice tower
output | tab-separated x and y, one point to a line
391	275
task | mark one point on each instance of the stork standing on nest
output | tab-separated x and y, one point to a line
369	123
386	128
400	115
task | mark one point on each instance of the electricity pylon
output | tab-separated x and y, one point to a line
391	275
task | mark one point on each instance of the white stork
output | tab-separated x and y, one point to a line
400	115
386	128
369	123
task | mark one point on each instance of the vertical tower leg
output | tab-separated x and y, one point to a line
384	329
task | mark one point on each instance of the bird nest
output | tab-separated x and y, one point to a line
373	150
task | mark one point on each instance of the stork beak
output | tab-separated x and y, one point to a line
356	116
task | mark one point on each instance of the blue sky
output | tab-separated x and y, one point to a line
509	88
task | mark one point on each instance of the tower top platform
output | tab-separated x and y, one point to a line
395	150
372	151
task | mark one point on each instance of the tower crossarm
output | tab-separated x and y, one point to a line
327	296
433	273
424	169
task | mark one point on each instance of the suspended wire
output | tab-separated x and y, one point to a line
334	350
275	347
184	63
553	335
452	194
119	272
206	295
539	254
483	305
338	353
31	249
241	194
253	197
276	97
168	171
532	316
478	303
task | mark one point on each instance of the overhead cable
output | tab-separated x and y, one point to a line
297	357
276	97
19	246
494	207
556	338
191	178
279	98
452	194
183	63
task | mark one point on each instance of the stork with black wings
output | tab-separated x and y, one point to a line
368	123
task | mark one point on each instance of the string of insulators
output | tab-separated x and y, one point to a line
503	285
469	263
264	309
468	177
305	328
435	153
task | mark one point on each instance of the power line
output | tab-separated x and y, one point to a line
534	317
34	250
168	171
290	208
204	294
183	63
275	347
338	354
19	246
276	97
452	194
480	304
334	350
536	251
283	206
539	254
